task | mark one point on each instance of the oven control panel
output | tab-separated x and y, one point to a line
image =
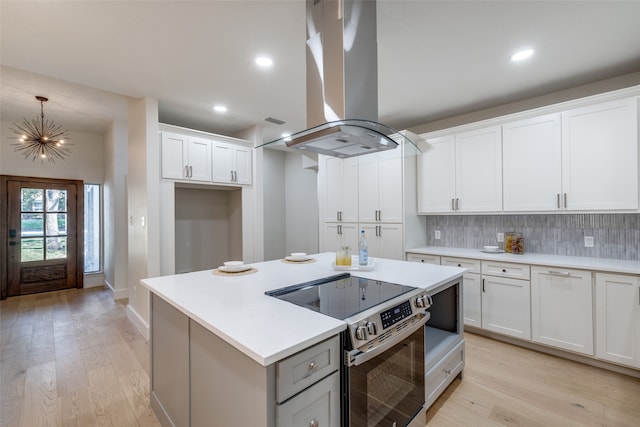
379	325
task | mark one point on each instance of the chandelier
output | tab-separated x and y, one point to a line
40	138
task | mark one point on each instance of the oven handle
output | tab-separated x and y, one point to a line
356	357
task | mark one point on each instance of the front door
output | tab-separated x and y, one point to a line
44	235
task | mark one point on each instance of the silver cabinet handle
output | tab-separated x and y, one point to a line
186	171
314	423
565	200
190	171
558	200
312	366
560	273
453	206
457	204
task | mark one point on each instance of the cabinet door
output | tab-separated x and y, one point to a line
472	299
222	156
340	180
242	160
600	156
337	235
174	156
436	176
532	162
390	194
368	189
562	309
384	240
319	405
199	159
479	170
506	306
617	318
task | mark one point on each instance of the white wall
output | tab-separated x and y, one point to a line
143	193
84	163
301	206
115	210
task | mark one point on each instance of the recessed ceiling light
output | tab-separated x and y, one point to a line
521	55
220	109
264	61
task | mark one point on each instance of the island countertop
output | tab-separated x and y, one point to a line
264	328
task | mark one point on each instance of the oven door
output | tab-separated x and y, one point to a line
388	389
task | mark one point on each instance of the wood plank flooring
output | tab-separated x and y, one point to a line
72	358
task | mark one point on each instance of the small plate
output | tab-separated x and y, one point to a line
499	251
297	259
235	269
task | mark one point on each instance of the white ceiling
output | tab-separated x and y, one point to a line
436	58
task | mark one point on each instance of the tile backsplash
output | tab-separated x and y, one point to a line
616	236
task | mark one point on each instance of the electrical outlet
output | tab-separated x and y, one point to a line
437	235
500	237
588	241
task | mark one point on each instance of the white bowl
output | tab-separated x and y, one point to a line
298	256
233	265
491	248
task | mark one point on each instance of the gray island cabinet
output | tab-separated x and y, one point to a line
225	354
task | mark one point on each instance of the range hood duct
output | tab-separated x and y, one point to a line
342	82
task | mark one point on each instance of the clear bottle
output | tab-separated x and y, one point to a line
363	250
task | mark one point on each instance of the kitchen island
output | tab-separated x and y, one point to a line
216	340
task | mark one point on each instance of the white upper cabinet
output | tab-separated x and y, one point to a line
341	189
380	196
462	173
600	156
532	164
231	163
186	157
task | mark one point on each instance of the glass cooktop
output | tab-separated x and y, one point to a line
340	296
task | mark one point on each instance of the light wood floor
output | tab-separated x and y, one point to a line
71	358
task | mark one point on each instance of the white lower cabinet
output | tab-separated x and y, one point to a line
506	306
562	308
440	375
384	240
337	235
618	318
471	289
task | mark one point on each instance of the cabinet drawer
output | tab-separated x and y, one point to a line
506	269
319	405
442	374
427	259
299	371
472	264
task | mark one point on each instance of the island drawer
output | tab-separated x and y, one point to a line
473	265
506	269
303	369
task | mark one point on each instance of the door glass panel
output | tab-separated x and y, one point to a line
32	249
31	200
56	247
31	225
56	224
56	201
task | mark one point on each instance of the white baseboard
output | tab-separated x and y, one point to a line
138	322
117	293
93	280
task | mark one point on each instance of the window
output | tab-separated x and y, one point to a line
43	224
92	235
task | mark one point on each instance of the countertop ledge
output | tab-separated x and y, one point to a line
265	328
582	263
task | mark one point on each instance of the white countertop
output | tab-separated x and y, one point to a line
583	263
236	309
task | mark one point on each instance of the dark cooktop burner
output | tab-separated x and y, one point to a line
340	296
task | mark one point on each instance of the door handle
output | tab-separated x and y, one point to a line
565	200
483	285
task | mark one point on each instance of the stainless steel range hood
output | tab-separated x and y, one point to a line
342	82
